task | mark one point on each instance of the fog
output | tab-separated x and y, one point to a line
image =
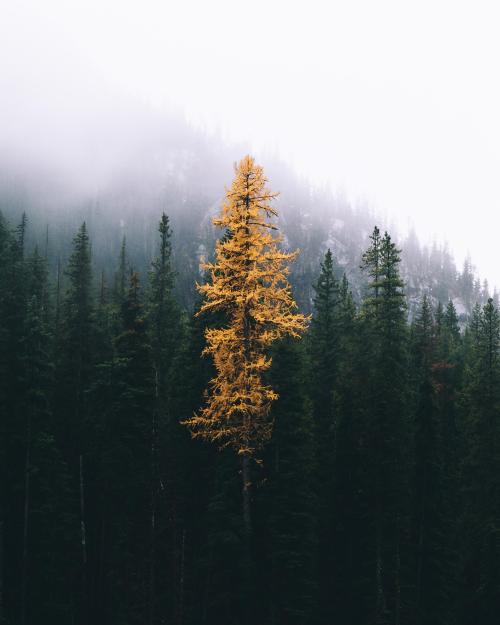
393	102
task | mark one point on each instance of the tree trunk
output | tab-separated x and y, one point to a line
57	320
245	473
180	613
102	604
1	562
152	554
24	573
379	573
83	539
397	609
248	599
420	548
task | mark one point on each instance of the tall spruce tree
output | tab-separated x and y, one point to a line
121	275
163	315
36	392
167	337
44	598
13	310
324	342
4	246
431	563
5	236
340	600
75	364
386	423
73	380
481	577
325	337
123	396
291	505
249	283
213	533
448	379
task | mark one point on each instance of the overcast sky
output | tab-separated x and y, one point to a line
395	101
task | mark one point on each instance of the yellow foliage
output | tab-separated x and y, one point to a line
248	281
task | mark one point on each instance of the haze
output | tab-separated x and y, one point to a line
396	102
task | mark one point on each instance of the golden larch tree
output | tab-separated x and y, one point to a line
248	282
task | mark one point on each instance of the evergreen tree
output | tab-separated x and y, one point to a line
325	337
224	591
121	275
481	594
124	392
291	504
209	571
36	382
46	524
4	245
340	600
73	380
386	422
163	316
429	495
248	282
78	325
13	310
166	337
448	379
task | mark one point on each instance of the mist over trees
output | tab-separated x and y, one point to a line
135	166
376	499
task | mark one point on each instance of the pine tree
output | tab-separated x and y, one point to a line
76	361
210	559
450	321
73	380
224	588
324	326
291	505
325	337
34	477
78	327
121	275
13	310
325	340
167	340
384	317
480	598
36	382
371	264
248	282
429	494
123	397
163	316
447	373
45	521
4	245
342	582
448	376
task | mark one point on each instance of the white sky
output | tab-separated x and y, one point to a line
396	101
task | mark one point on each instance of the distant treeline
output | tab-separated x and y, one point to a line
376	502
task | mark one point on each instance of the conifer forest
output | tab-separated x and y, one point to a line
236	413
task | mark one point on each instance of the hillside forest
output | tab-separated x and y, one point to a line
247	412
